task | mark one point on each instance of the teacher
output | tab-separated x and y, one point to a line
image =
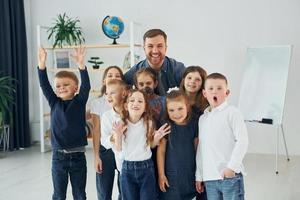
169	71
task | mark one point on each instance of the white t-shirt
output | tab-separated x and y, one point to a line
99	106
107	120
223	142
134	146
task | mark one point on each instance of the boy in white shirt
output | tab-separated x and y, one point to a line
223	142
116	93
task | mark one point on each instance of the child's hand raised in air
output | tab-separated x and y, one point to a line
78	56
118	128
42	58
160	133
117	132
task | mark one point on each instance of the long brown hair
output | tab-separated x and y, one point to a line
103	88
200	101
146	116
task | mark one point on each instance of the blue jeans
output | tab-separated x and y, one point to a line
105	180
138	180
65	165
227	189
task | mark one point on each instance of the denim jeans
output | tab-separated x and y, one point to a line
227	189
65	165
105	180
138	180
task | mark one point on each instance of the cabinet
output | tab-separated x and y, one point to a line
95	74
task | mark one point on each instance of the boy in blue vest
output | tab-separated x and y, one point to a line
68	135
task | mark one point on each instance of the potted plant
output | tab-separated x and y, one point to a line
66	30
7	91
96	61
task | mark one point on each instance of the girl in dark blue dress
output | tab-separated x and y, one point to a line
192	84
176	152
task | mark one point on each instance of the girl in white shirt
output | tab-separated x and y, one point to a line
98	107
134	137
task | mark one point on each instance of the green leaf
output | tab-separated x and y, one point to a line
65	30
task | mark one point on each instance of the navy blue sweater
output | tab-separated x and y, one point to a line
67	117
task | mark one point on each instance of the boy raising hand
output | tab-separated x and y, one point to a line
68	135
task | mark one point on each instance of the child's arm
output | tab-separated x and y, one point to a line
78	57
96	142
241	144
42	58
198	175
196	142
85	86
43	78
161	153
117	133
160	133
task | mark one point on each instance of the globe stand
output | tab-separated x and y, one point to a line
115	41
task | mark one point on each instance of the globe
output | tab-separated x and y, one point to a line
113	27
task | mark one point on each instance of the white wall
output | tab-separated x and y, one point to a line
213	34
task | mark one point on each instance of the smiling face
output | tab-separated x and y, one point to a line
192	82
215	91
136	104
112	74
177	111
155	49
114	95
65	88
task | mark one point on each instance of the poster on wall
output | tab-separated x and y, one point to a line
62	59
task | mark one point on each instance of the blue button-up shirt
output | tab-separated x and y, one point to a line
171	72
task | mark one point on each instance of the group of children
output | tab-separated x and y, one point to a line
158	145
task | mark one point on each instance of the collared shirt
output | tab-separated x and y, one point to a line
223	142
171	72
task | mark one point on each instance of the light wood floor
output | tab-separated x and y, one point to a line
26	175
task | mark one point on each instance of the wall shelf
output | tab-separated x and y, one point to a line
98	46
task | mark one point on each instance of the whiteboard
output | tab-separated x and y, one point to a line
264	83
